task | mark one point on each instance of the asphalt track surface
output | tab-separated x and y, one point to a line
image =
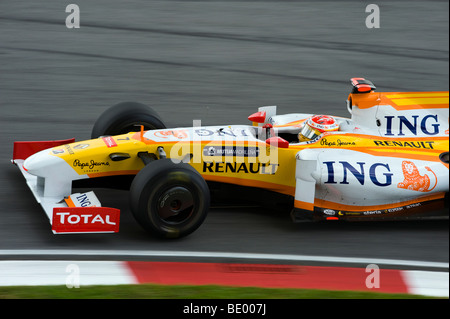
214	61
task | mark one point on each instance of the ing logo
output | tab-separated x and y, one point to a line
413	180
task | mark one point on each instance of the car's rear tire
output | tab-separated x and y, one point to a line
126	117
169	200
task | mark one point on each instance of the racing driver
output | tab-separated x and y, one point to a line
315	126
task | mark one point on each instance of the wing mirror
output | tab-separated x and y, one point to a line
277	142
258	117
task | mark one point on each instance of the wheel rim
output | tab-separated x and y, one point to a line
175	205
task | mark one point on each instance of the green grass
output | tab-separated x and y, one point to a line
151	291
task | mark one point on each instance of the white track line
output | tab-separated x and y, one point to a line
58	272
202	254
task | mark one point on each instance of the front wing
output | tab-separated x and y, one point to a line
79	213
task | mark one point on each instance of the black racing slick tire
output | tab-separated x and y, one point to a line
126	117
169	200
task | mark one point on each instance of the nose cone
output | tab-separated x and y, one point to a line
44	164
40	164
56	173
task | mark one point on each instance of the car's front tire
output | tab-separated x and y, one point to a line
169	200
126	117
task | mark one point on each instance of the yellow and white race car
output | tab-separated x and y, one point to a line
389	160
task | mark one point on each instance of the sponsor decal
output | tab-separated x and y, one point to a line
71	218
424	145
81	146
244	151
413	205
338	142
412	125
180	134
90	164
413	180
222	132
61	150
85	219
247	168
69	149
359	171
395	209
372	212
329	212
58	151
83	200
109	141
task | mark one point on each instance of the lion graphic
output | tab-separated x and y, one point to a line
413	180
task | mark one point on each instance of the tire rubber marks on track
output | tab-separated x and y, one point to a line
428	54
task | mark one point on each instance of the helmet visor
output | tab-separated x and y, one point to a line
309	132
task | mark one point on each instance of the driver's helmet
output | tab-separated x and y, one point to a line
316	125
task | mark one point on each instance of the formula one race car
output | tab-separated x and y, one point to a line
388	161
